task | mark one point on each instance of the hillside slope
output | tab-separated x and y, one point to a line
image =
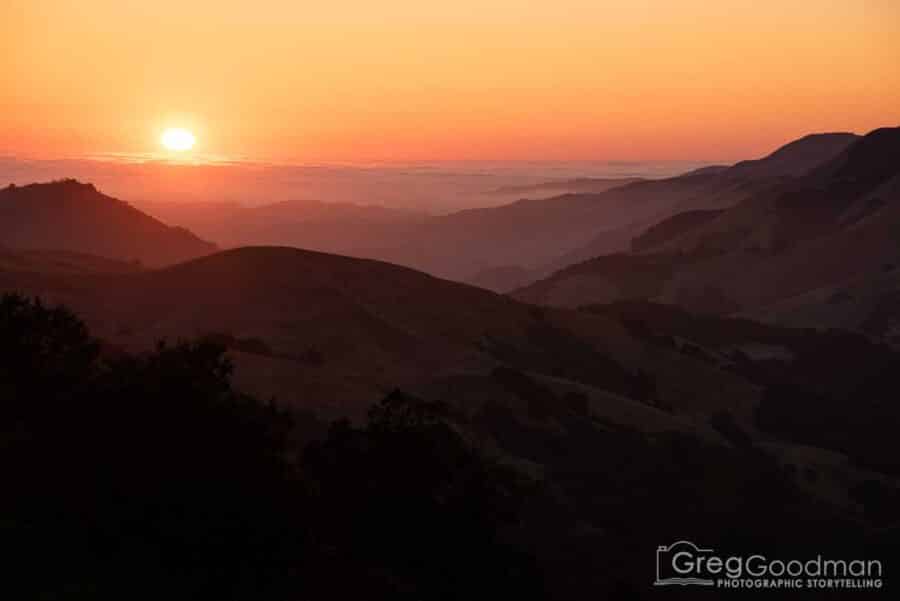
836	224
635	424
799	157
70	216
504	246
342	330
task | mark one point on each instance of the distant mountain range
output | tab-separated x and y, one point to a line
325	226
752	238
824	234
769	238
543	234
531	237
565	186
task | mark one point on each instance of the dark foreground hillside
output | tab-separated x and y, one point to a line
148	476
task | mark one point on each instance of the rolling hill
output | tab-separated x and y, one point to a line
797	158
504	247
630	424
75	217
316	225
541	235
564	186
348	328
835	225
61	262
332	333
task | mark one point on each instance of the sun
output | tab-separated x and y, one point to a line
178	139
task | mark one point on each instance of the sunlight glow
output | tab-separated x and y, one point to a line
178	139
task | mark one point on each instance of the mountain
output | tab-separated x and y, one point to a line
700	192
673	227
558	224
539	234
75	217
620	426
798	157
835	225
331	333
346	329
863	166
502	279
339	227
868	303
59	262
546	234
591	185
773	357
625	424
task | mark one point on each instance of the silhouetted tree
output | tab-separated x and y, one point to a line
413	509
148	477
138	476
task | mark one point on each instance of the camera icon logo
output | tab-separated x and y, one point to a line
680	564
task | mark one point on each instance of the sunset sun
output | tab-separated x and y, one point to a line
178	139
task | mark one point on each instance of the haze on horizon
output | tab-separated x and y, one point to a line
350	81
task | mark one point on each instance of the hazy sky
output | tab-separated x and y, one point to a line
356	80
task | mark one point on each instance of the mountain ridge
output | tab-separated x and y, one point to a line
797	157
834	223
68	215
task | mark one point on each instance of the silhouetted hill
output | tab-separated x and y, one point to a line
672	227
821	373
591	185
713	188
151	468
568	222
71	216
345	329
815	233
502	279
48	261
864	165
798	157
624	426
552	448
548	233
604	279
708	170
868	303
323	226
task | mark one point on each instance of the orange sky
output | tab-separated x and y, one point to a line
289	80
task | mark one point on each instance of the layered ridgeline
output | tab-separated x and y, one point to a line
70	216
504	247
629	427
819	249
347	330
618	427
312	224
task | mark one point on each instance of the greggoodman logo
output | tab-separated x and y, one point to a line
685	564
